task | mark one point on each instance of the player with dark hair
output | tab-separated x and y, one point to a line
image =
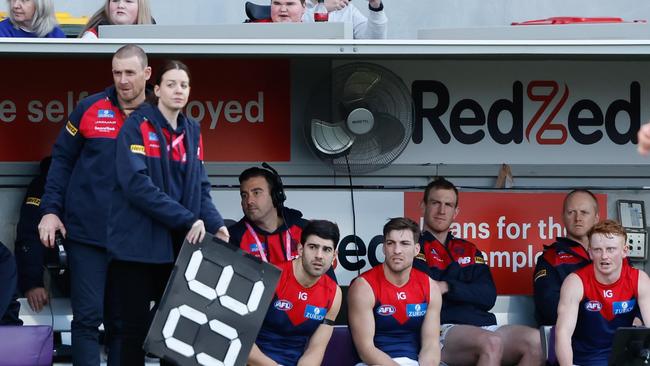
268	230
394	308
598	298
298	324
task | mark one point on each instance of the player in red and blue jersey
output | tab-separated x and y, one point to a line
599	298
394	309
298	324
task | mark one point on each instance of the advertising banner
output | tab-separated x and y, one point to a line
243	105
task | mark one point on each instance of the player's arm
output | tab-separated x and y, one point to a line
546	290
567	316
318	342
472	284
258	358
362	324
644	295
430	350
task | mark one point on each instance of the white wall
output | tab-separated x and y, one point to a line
406	16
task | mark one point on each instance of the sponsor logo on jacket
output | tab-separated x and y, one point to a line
105	113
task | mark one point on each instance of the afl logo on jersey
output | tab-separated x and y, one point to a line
283	305
593	306
386	310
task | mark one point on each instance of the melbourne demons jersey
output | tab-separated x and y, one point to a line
294	315
399	312
602	310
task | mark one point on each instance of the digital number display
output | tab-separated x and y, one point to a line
213	307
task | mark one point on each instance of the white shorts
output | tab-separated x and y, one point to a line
445	328
402	361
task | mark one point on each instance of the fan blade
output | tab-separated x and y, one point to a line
330	138
357	86
389	131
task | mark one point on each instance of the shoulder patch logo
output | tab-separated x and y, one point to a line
137	149
72	130
541	273
33	201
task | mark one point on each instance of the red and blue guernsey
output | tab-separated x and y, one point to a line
294	315
399	312
603	309
82	174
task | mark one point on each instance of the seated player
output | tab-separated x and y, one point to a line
597	299
298	324
469	332
394	309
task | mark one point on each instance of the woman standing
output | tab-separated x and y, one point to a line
31	19
162	197
118	12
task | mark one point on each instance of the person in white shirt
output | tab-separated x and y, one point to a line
372	27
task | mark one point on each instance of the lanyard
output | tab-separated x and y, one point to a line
175	142
260	248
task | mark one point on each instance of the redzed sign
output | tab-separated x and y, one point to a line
243	105
510	228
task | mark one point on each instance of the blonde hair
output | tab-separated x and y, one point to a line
102	16
44	20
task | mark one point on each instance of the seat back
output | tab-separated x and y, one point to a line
340	350
256	12
26	345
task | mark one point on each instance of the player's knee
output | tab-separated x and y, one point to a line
491	344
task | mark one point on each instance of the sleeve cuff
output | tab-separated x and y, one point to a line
380	8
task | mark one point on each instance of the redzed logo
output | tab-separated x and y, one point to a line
586	123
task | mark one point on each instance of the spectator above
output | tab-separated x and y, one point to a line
287	11
31	19
373	27
118	12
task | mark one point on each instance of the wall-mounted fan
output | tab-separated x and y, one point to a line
362	117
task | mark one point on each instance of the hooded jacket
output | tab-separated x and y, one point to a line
162	187
273	243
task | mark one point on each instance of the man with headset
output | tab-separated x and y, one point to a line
268	230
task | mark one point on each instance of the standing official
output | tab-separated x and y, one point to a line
77	196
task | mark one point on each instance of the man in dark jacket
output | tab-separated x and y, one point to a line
469	332
268	230
566	255
9	306
77	195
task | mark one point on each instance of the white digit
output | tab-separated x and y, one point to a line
223	283
174	316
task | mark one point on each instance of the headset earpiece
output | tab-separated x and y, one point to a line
277	191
